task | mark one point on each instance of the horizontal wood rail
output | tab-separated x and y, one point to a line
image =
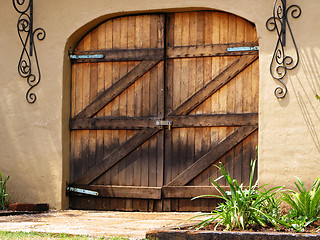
190	191
119	55
216	120
125	123
210	50
124	191
191	51
112	191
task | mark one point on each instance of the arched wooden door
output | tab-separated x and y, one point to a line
157	101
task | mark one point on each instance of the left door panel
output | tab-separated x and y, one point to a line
115	145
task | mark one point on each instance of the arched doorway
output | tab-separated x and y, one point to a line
157	100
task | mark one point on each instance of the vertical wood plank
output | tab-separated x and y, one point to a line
255	86
206	140
115	104
170	32
215	65
85	101
176	101
153	107
93	94
138	110
198	84
223	38
78	105
184	86
169	65
123	69
161	111
129	178
146	39
239	95
73	90
246	76
166	204
192	77
85	133
177	79
234	158
73	133
107	111
100	87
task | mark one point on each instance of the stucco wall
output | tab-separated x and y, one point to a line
34	138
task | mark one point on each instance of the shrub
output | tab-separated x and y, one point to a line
242	206
305	205
4	197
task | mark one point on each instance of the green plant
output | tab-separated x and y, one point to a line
305	205
3	192
271	206
242	206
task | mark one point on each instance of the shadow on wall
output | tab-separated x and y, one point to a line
309	105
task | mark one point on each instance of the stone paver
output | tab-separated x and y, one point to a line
93	223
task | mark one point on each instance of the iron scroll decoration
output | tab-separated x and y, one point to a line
281	62
28	57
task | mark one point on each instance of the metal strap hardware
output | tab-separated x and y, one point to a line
82	191
164	123
241	49
93	56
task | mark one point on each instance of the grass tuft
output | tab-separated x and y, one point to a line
45	236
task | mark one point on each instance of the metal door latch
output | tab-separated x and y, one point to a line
82	191
241	49
164	123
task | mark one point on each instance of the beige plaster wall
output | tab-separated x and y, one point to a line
34	138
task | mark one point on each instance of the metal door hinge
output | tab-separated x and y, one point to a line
82	191
241	49
93	56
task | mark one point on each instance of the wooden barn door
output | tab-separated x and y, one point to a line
157	101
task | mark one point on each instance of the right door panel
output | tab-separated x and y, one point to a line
212	98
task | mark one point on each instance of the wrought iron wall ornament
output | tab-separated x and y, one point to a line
281	62
28	57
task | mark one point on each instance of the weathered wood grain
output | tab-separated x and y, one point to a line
213	155
230	72
190	191
210	50
188	78
123	191
121	55
118	154
117	88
